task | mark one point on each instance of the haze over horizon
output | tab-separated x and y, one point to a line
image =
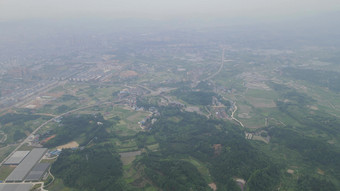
258	10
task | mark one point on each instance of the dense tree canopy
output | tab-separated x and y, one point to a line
184	134
95	168
73	126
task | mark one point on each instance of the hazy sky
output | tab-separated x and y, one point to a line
162	9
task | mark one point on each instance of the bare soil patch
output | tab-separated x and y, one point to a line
55	94
128	73
241	182
312	107
47	139
31	106
290	171
218	149
258	85
319	171
192	109
259	138
69	145
213	186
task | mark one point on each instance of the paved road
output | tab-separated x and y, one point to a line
37	129
28	97
219	70
232	116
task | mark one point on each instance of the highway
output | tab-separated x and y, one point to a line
219	70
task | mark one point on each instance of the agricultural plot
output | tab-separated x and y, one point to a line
5	170
201	168
128	157
128	123
242	123
261	103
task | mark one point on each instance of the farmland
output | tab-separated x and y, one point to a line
186	112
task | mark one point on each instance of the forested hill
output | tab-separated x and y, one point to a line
193	153
219	145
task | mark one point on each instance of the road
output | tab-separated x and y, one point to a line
4	138
219	70
24	99
37	129
74	92
49	172
150	90
232	115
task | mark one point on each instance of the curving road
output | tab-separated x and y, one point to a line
46	122
232	115
219	70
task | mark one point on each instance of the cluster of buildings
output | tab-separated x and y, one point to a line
150	119
129	97
220	110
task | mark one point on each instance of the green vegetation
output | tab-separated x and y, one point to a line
308	183
63	108
5	151
94	168
187	151
58	185
17	119
84	127
204	86
265	179
285	99
195	136
312	150
5	170
329	79
295	105
194	97
16	126
67	97
144	102
173	174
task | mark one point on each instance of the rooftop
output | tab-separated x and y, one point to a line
20	172
16	158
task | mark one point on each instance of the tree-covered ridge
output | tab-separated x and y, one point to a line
94	168
16	125
308	183
194	97
185	142
184	134
173	174
73	126
17	119
313	151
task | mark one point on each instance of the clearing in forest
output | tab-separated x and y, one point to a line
69	145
